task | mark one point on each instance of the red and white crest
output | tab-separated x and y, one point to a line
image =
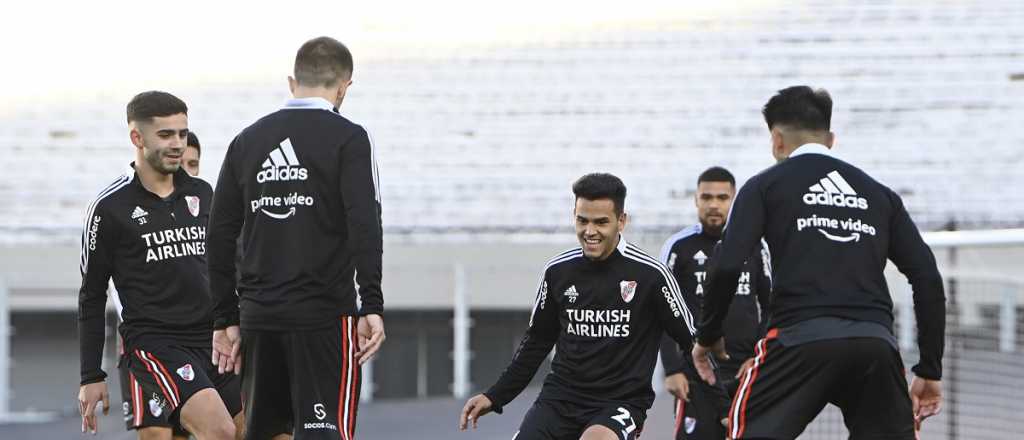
193	205
628	289
186	372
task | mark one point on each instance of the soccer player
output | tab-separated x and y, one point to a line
700	408
146	231
301	186
831	228
605	306
190	161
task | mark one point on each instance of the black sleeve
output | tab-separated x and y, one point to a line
535	346
226	219
764	287
672	358
672	311
915	260
98	241
361	199
743	232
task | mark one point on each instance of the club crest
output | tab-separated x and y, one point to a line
193	205
628	289
186	372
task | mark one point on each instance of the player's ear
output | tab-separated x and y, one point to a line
292	84
623	219
830	139
778	144
135	134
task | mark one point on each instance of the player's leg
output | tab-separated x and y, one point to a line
599	432
266	395
239	422
155	433
325	378
701	417
180	433
146	404
229	388
549	420
784	391
191	397
622	422
873	396
204	415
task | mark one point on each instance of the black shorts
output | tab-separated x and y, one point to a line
561	420
304	383
701	417
157	381
788	386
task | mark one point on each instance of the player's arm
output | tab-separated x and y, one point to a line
98	240
226	219
742	234
674	360
540	337
361	198
672	312
915	260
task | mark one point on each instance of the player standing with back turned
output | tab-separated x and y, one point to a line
830	228
300	185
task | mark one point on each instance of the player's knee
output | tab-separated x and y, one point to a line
223	430
599	432
154	433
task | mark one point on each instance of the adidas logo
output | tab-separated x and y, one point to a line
700	257
139	212
282	165
833	190
571	293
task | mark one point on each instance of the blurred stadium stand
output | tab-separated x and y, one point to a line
478	148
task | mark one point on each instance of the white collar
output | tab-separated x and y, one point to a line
812	148
315	102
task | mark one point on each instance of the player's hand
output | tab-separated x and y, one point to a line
227	347
743	368
476	407
678	385
88	397
926	398
371	335
703	362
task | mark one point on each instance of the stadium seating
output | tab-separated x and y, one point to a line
490	138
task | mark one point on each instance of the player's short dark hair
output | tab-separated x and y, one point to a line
148	105
800	107
596	186
716	174
322	62
193	141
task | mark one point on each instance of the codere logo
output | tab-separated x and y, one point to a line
282	165
833	190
